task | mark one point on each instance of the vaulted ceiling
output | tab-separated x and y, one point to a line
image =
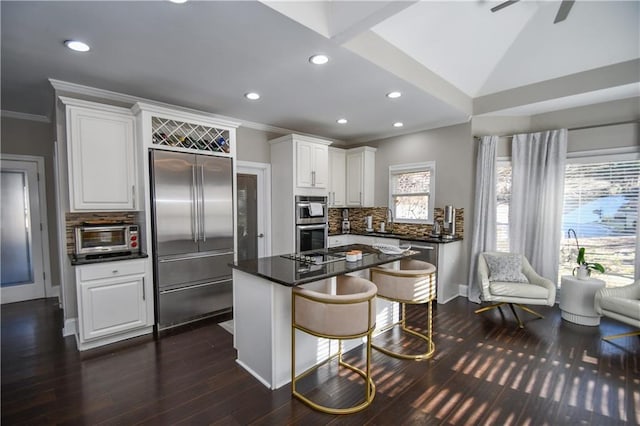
451	60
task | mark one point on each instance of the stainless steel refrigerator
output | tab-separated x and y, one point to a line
192	199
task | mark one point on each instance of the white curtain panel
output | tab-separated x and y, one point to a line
537	186
484	217
637	275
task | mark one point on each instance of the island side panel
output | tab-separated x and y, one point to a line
252	313
310	350
449	258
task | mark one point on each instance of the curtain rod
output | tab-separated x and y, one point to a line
580	128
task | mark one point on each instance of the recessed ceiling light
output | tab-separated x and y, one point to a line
178	1
398	124
394	95
76	45
319	59
252	96
342	121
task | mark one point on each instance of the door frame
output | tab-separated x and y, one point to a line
49	291
263	173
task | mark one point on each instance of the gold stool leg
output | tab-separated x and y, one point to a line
531	311
616	336
428	338
370	390
488	308
515	314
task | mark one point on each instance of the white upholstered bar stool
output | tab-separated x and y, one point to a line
348	314
413	283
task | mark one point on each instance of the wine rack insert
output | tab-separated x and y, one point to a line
168	132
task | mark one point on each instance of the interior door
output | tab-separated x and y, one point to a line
22	267
253	178
216	203
174	195
247	216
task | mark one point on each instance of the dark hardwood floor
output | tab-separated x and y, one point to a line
485	371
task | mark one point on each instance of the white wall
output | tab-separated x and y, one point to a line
452	149
253	145
591	124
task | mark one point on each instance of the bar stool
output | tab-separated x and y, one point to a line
414	284
348	314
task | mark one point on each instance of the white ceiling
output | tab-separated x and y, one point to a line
451	59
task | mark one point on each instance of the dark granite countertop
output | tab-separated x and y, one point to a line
105	258
290	272
426	239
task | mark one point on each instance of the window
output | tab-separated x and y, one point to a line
503	195
600	204
411	189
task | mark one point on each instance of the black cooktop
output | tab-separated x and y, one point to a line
315	257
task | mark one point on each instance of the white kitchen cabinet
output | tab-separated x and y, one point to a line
337	177
293	157
338	240
101	156
312	164
115	302
360	172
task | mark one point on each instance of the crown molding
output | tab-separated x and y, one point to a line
25	116
65	86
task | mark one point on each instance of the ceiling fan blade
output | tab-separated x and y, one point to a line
563	11
503	5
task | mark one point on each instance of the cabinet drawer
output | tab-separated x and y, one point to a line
111	269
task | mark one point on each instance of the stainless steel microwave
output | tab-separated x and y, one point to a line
106	239
311	210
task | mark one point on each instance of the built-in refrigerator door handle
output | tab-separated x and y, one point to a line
202	216
194	204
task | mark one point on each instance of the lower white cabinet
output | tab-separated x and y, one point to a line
346	239
115	302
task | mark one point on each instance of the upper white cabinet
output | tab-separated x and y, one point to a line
307	158
293	158
360	169
312	164
337	177
101	156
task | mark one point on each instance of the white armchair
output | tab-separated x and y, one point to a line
511	280
622	304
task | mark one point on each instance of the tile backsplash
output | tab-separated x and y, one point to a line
357	217
97	218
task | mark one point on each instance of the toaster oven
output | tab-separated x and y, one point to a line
106	239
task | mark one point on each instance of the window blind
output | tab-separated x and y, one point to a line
410	192
601	205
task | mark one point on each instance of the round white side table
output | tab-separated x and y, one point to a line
577	298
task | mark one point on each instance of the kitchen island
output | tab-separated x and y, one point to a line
262	309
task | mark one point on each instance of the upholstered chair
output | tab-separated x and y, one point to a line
622	304
347	313
509	279
414	284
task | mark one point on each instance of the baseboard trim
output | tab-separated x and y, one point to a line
463	290
70	327
254	374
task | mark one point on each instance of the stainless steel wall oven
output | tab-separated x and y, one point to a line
312	225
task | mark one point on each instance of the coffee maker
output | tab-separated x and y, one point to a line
346	226
449	222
